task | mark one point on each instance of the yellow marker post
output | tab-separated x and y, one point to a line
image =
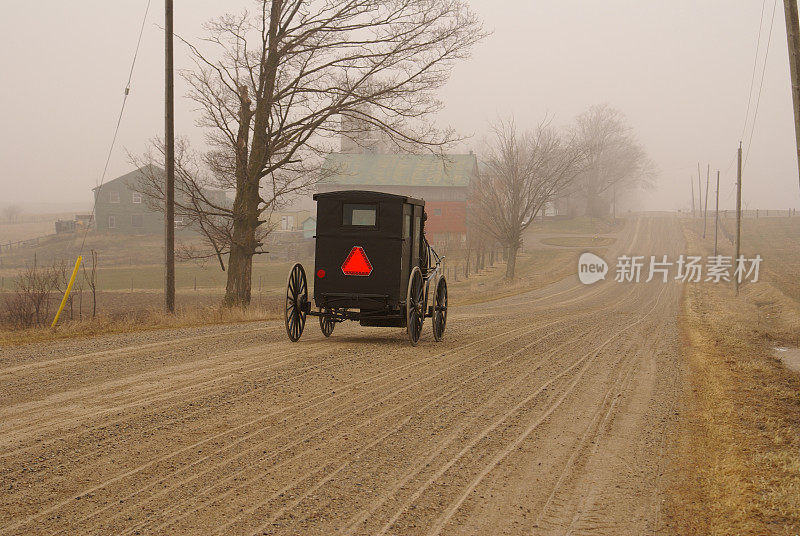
69	289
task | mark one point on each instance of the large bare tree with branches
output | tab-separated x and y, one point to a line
274	85
616	163
522	173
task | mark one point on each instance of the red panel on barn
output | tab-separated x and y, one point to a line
446	217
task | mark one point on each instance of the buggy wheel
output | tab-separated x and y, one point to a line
440	309
326	324
296	300
414	312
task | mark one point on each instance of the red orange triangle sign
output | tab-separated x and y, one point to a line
357	263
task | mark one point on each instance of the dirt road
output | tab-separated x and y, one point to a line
543	413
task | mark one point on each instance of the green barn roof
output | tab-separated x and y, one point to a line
399	169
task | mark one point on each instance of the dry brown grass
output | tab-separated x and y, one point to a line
144	320
739	445
535	269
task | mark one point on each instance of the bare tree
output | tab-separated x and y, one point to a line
522	173
30	303
12	213
274	86
616	163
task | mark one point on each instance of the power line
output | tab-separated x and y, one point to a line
119	121
761	85
755	65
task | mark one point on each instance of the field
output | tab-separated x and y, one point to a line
24	231
739	446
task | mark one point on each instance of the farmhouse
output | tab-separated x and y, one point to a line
121	208
443	184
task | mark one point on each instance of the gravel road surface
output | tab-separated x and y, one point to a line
542	413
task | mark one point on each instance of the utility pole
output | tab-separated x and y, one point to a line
699	191
738	211
705	211
716	218
169	163
793	40
691	183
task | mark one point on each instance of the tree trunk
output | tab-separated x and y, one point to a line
240	270
243	247
511	261
245	215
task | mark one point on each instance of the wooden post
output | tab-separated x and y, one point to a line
705	210
169	163
793	40
716	218
699	192
738	211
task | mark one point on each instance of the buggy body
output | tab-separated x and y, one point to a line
372	264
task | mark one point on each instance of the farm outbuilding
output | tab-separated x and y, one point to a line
443	184
122	208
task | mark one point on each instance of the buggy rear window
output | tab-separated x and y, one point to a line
359	215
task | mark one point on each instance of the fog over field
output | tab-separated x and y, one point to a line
680	71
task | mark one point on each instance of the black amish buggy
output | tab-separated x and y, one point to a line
372	265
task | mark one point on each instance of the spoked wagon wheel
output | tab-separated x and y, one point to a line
414	313
326	324
440	309
296	299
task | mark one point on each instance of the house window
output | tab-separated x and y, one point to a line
113	197
178	221
112	222
437	212
137	221
137	198
287	223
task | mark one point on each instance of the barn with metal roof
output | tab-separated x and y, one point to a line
442	182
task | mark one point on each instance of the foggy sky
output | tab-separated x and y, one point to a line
679	70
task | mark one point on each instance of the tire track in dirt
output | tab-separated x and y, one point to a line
293	504
427	394
585	360
406	387
322	401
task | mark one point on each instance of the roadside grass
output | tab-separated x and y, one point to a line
142	311
739	443
535	268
